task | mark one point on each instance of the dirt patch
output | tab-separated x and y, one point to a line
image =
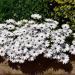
41	66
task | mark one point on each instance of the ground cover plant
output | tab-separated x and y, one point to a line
26	39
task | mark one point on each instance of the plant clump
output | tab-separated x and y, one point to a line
26	39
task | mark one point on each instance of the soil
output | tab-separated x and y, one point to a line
41	66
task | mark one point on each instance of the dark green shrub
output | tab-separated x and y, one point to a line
19	9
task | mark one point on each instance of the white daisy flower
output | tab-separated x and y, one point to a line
36	16
10	27
3	40
72	49
10	21
2	26
31	21
2	51
65	26
73	42
64	58
73	35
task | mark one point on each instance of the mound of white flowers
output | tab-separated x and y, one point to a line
26	39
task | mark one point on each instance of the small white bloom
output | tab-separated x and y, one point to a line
65	26
31	21
51	25
2	40
72	49
2	26
10	21
64	58
10	27
51	21
73	35
2	51
48	54
25	21
36	16
31	59
73	42
19	23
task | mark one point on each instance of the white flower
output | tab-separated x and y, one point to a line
28	44
58	48
36	16
41	26
64	58
47	34
10	21
69	31
65	26
73	42
25	21
74	35
19	23
25	50
67	48
35	54
2	40
31	21
2	26
56	22
51	21
31	59
10	27
46	43
51	25
72	49
21	61
2	51
48	54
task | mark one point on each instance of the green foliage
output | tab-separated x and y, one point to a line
19	9
65	1
64	11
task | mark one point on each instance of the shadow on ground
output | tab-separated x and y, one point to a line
1	59
42	64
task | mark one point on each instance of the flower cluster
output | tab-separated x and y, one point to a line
59	47
26	39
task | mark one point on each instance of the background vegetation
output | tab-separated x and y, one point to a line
19	9
60	10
